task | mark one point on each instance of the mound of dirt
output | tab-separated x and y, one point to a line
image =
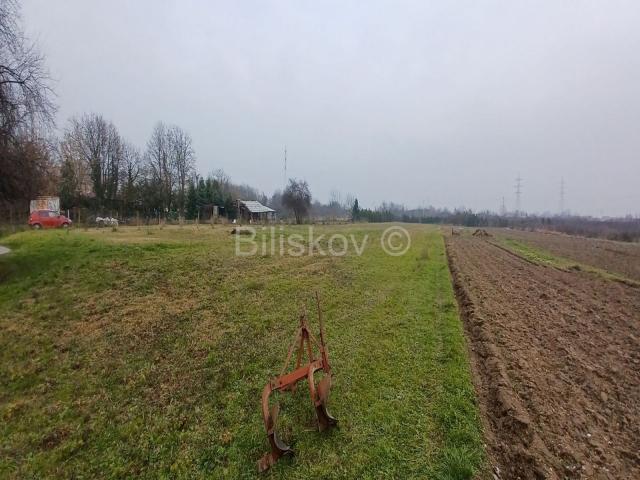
481	232
241	231
556	364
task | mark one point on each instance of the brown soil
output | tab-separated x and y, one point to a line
556	362
481	232
617	257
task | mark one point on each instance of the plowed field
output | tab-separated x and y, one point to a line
556	360
615	257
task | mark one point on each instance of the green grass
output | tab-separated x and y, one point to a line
143	353
543	257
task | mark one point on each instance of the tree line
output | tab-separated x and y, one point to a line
92	165
103	172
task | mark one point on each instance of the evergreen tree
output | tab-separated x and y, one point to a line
230	207
208	191
355	211
192	201
68	190
201	193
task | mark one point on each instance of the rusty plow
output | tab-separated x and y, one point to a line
304	342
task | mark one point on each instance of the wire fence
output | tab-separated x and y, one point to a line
14	217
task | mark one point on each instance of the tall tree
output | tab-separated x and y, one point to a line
355	211
26	110
297	197
183	160
160	165
25	94
68	189
192	200
131	173
97	143
201	192
74	174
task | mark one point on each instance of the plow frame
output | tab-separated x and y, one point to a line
304	342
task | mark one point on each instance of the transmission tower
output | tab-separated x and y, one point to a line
562	196
503	208
518	194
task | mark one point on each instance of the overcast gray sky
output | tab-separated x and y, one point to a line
420	102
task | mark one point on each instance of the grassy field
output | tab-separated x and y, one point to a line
143	352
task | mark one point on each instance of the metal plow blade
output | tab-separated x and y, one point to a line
325	420
278	447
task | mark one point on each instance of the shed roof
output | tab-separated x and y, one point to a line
256	207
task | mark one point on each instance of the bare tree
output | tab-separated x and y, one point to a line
275	201
243	191
297	197
97	143
130	174
160	164
26	110
74	179
25	94
335	198
224	181
183	161
26	170
349	200
131	164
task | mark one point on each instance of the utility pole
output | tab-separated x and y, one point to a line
561	196
518	194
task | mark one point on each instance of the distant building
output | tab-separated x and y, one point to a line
252	211
209	211
45	203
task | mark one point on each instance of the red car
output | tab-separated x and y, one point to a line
48	219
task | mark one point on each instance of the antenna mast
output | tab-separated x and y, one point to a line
285	167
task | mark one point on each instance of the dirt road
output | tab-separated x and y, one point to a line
556	359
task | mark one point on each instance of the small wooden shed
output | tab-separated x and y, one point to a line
252	211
